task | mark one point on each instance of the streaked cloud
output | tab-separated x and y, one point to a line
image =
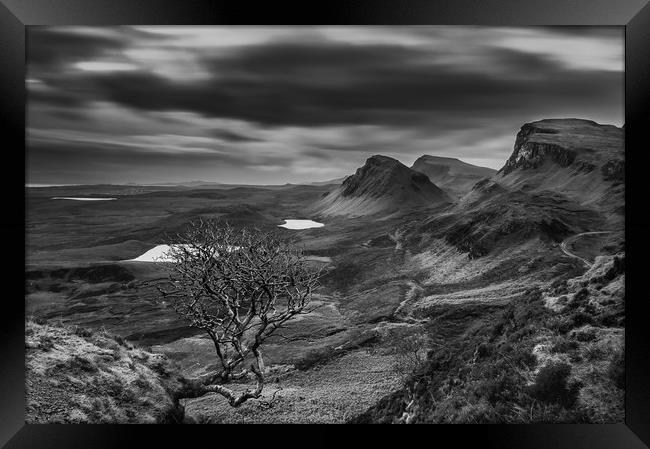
291	104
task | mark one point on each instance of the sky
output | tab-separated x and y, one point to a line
275	105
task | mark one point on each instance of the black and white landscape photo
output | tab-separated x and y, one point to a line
332	224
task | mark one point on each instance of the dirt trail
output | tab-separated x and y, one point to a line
398	314
573	238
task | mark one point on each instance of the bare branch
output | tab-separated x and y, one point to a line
239	286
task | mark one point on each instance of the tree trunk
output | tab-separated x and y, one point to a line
194	388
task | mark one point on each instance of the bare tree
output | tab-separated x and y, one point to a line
239	286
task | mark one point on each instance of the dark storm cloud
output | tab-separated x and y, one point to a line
513	62
51	48
130	149
338	84
586	31
325	62
105	162
69	114
230	136
58	97
318	59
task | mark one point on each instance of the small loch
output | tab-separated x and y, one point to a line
301	224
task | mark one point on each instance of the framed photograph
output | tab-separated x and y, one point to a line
423	213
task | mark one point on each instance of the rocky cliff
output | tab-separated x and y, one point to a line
581	159
583	145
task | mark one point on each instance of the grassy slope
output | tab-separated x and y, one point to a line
326	393
555	355
77	376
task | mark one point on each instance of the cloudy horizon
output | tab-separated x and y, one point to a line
275	105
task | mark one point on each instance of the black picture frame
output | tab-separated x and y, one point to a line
634	15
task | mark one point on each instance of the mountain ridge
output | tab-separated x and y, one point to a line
565	142
453	175
382	184
564	176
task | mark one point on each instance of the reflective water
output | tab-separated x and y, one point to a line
82	198
301	224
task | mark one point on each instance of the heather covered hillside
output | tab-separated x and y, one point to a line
74	375
554	355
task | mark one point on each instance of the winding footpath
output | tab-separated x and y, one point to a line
573	238
404	317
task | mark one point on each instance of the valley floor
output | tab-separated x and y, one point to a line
397	305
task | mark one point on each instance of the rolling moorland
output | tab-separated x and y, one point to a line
452	293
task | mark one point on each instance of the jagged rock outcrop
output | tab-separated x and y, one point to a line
581	159
565	142
529	153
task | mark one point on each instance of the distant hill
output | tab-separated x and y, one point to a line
382	184
328	182
182	184
450	174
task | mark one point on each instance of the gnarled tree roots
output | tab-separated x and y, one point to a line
194	388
